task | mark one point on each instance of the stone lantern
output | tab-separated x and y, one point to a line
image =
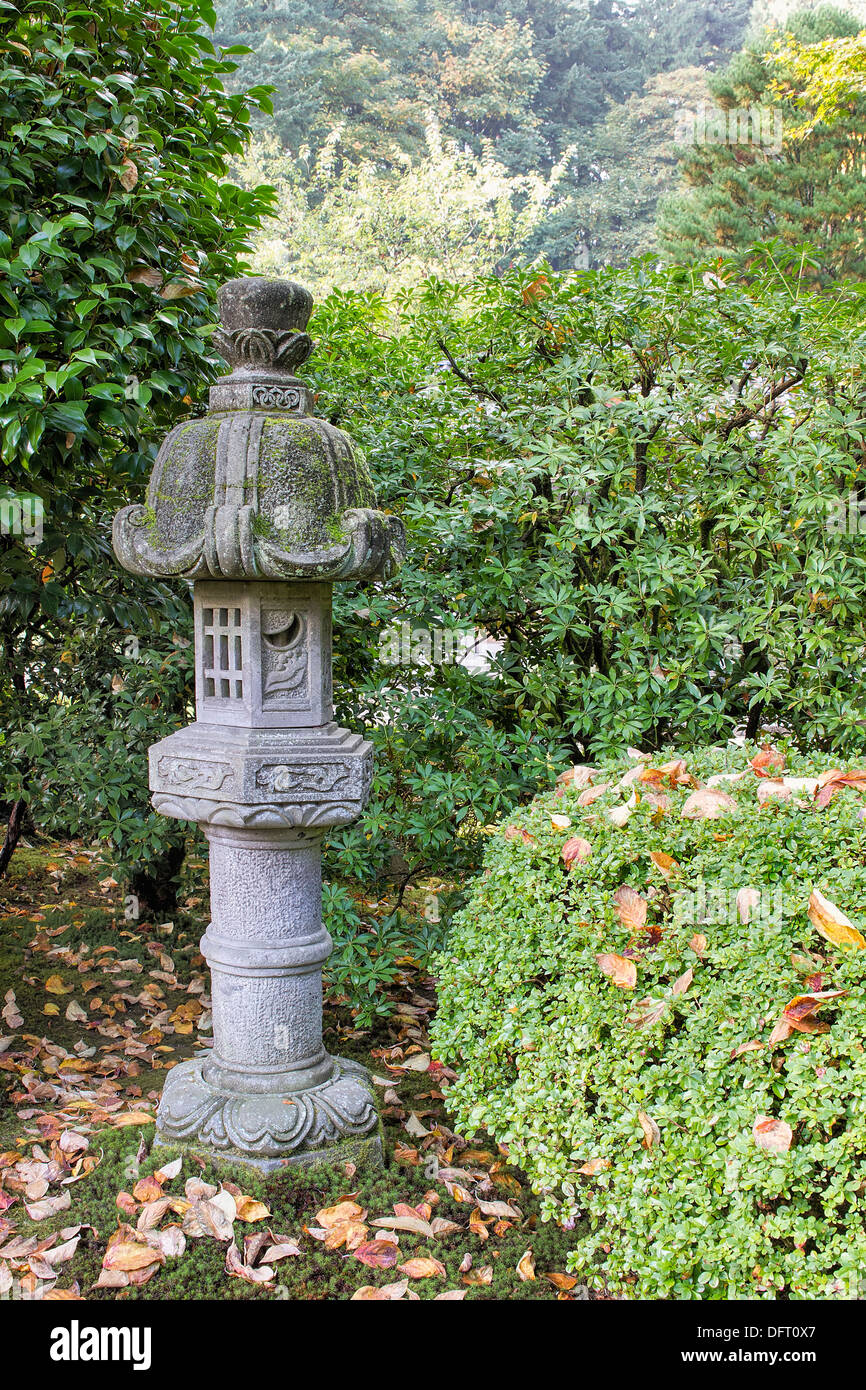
263	506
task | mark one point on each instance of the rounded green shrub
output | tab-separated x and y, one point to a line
710	1129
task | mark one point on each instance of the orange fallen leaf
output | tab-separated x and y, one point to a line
768	758
595	1165
651	1132
526	1267
832	923
619	969
665	862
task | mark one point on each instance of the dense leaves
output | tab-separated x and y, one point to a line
116	224
632	481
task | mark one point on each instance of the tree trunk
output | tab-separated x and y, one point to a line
13	834
156	885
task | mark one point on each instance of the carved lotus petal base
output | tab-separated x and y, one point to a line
326	1124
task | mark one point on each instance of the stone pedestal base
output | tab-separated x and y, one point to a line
330	1123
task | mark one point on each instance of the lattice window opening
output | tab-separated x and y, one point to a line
222	653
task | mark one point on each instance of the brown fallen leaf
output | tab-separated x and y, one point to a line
126	1256
781	1032
49	1206
499	1209
378	1254
152	1213
147	1190
578	776
384	1293
475	1277
681	985
517	832
802	1006
285	1250
415	1224
766	760
747	900
651	1131
591	794
833	781
237	1269
619	969
631	907
595	1165
566	1282
664	862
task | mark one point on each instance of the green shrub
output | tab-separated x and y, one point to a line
636	1107
639	482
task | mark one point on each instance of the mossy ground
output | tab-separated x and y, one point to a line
61	915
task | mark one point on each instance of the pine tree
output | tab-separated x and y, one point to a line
740	191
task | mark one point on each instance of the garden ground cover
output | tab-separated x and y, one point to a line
95	1008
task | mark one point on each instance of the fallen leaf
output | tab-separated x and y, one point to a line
126	1256
595	1165
773	1135
768	758
566	1282
50	1206
378	1254
575	851
681	985
747	900
631	908
619	969
707	804
237	1269
423	1268
55	985
128	175
526	1267
415	1224
832	923
665	862
651	1131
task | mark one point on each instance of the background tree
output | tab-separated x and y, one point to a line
809	191
627	479
116	224
452	214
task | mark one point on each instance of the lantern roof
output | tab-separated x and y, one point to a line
259	487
